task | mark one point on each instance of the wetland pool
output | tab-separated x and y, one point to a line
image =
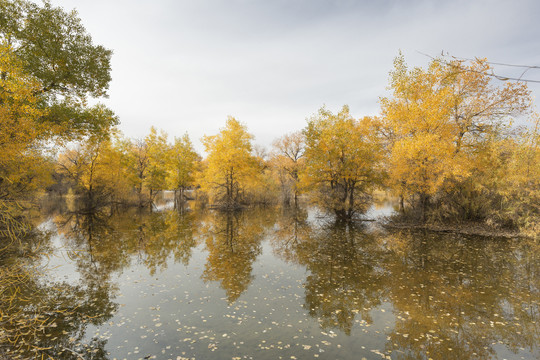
281	284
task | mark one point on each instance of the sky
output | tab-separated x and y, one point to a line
185	66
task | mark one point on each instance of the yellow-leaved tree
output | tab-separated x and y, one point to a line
231	167
437	124
516	182
146	162
158	148
137	159
87	167
343	161
183	163
22	168
287	161
98	170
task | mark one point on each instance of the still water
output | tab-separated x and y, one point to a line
280	284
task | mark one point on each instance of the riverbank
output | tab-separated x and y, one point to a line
469	228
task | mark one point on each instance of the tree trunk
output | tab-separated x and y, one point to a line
351	202
424	198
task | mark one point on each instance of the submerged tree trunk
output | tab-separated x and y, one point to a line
424	198
351	201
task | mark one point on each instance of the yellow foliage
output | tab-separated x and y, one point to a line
157	165
21	165
342	160
85	166
287	162
147	163
183	163
439	123
518	181
231	168
19	109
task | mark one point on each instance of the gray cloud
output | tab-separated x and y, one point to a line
186	65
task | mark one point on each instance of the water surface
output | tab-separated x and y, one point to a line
281	284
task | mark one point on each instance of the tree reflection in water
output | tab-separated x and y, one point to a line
457	297
112	243
345	273
452	297
446	296
49	319
57	314
233	241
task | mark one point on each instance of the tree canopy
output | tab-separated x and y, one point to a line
230	166
342	160
439	122
54	48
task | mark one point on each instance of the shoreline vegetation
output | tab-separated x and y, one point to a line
444	142
392	222
473	228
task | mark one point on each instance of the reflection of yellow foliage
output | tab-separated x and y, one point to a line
233	242
292	229
455	297
343	280
37	316
112	240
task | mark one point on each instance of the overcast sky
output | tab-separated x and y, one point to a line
186	65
